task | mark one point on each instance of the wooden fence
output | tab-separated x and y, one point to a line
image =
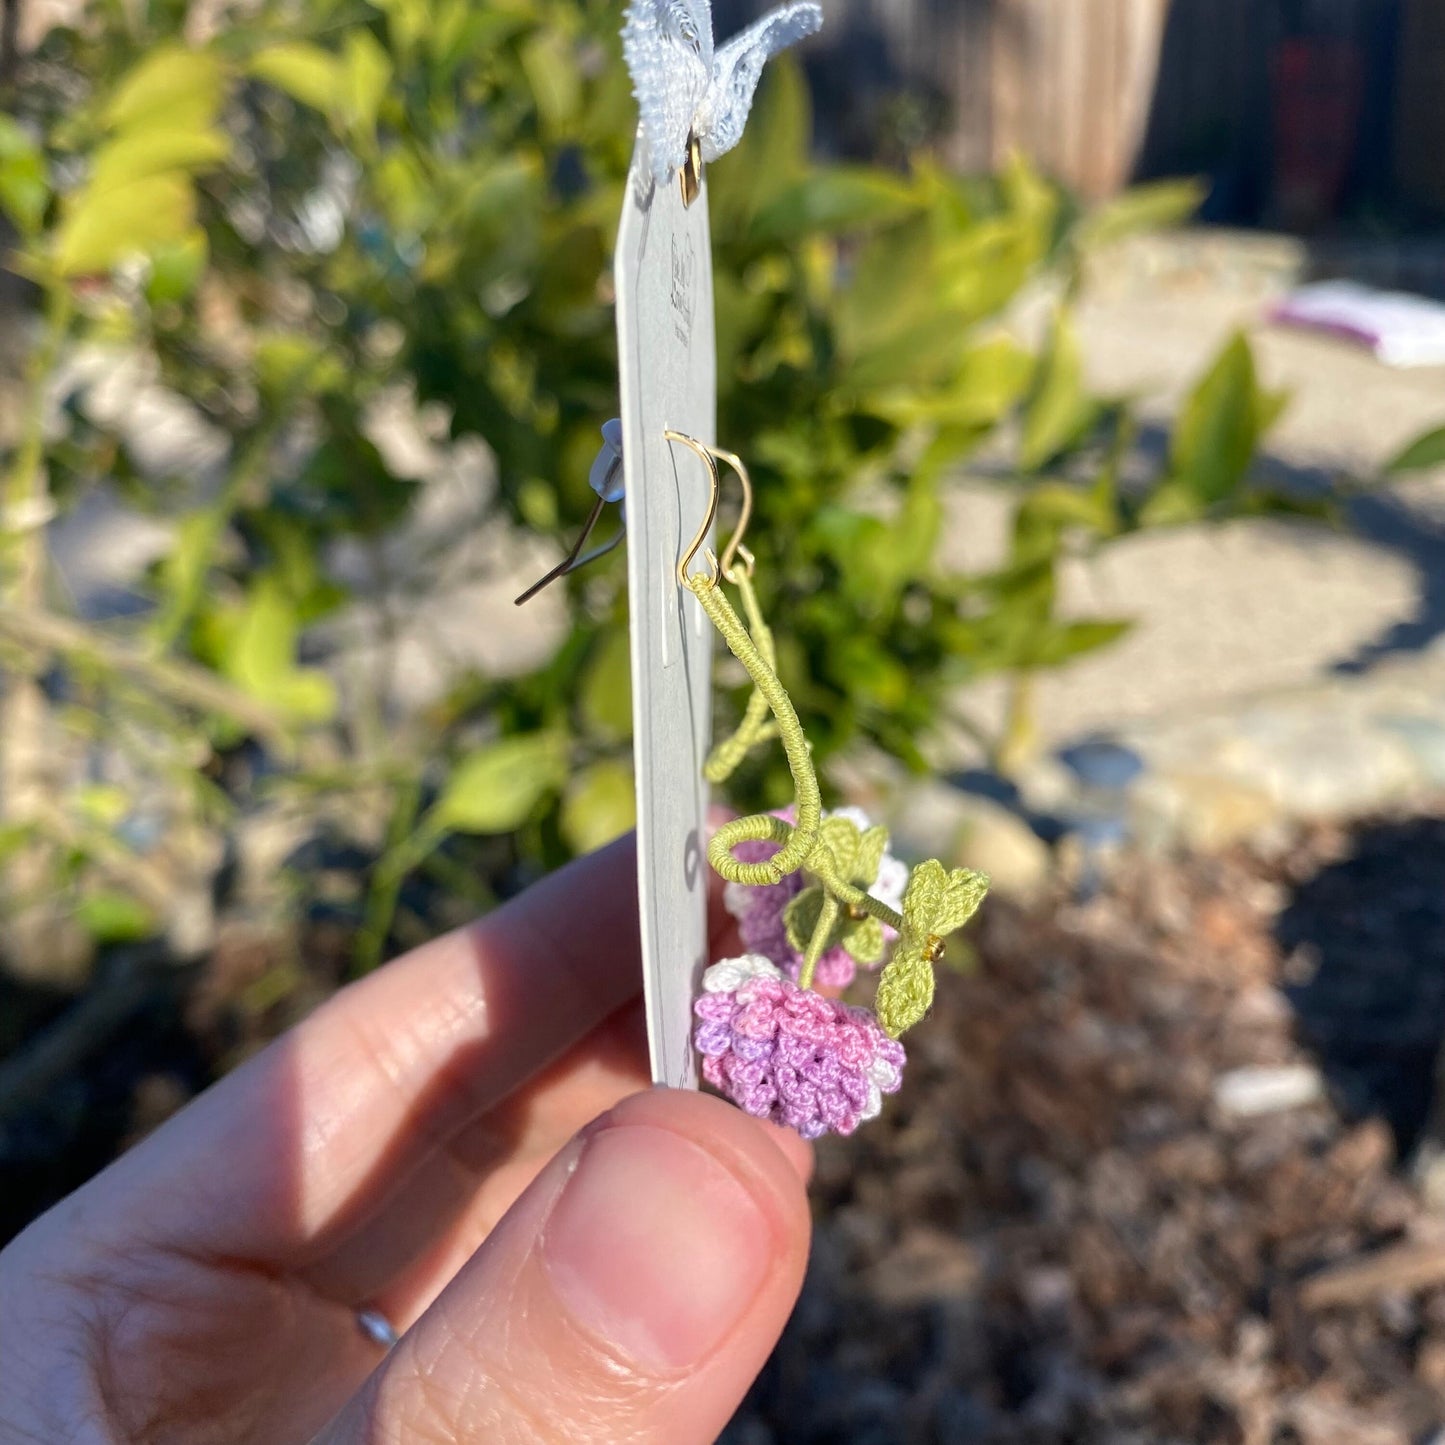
1067	82
1096	91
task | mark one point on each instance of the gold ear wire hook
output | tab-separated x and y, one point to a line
710	462
690	176
734	549
574	561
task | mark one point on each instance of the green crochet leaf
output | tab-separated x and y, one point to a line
801	917
926	886
939	903
871	848
961	899
864	941
936	904
841	840
905	993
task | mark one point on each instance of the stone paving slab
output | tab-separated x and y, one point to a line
1277	671
1157	310
1220	613
1275	668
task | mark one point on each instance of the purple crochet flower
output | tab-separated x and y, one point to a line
790	1055
760	909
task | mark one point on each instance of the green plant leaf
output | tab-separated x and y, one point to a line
155	152
305	72
550	65
990	380
1222	425
600	804
171	89
1055	504
288	363
983	266
182	573
1424	453
605	697
498	787
1065	641
1030	198
1153	207
177	267
103	803
261	657
1060	410
407	23
994	376
135	219
837	199
365	75
111	917
882	300
13	838
1172	503
24	189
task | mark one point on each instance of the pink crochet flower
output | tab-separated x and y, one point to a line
760	909
790	1055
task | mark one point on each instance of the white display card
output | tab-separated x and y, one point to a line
668	379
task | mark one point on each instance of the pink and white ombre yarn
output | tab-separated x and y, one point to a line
759	910
788	1054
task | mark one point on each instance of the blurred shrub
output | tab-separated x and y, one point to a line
313	208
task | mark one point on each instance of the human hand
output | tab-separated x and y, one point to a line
412	1148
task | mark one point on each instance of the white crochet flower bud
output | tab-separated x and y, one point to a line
730	974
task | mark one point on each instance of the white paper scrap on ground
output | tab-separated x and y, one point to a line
1401	330
1249	1093
668	381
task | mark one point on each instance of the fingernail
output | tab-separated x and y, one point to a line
655	1247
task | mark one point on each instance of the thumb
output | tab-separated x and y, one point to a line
631	1294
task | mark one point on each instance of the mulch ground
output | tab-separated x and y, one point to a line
1054	1234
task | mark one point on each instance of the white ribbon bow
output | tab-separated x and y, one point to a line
685	88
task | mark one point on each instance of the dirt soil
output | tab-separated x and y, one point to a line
1055	1234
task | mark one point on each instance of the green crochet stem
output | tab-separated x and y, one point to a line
756	726
818	943
905	992
796	843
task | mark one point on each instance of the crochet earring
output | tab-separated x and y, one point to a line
816	894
